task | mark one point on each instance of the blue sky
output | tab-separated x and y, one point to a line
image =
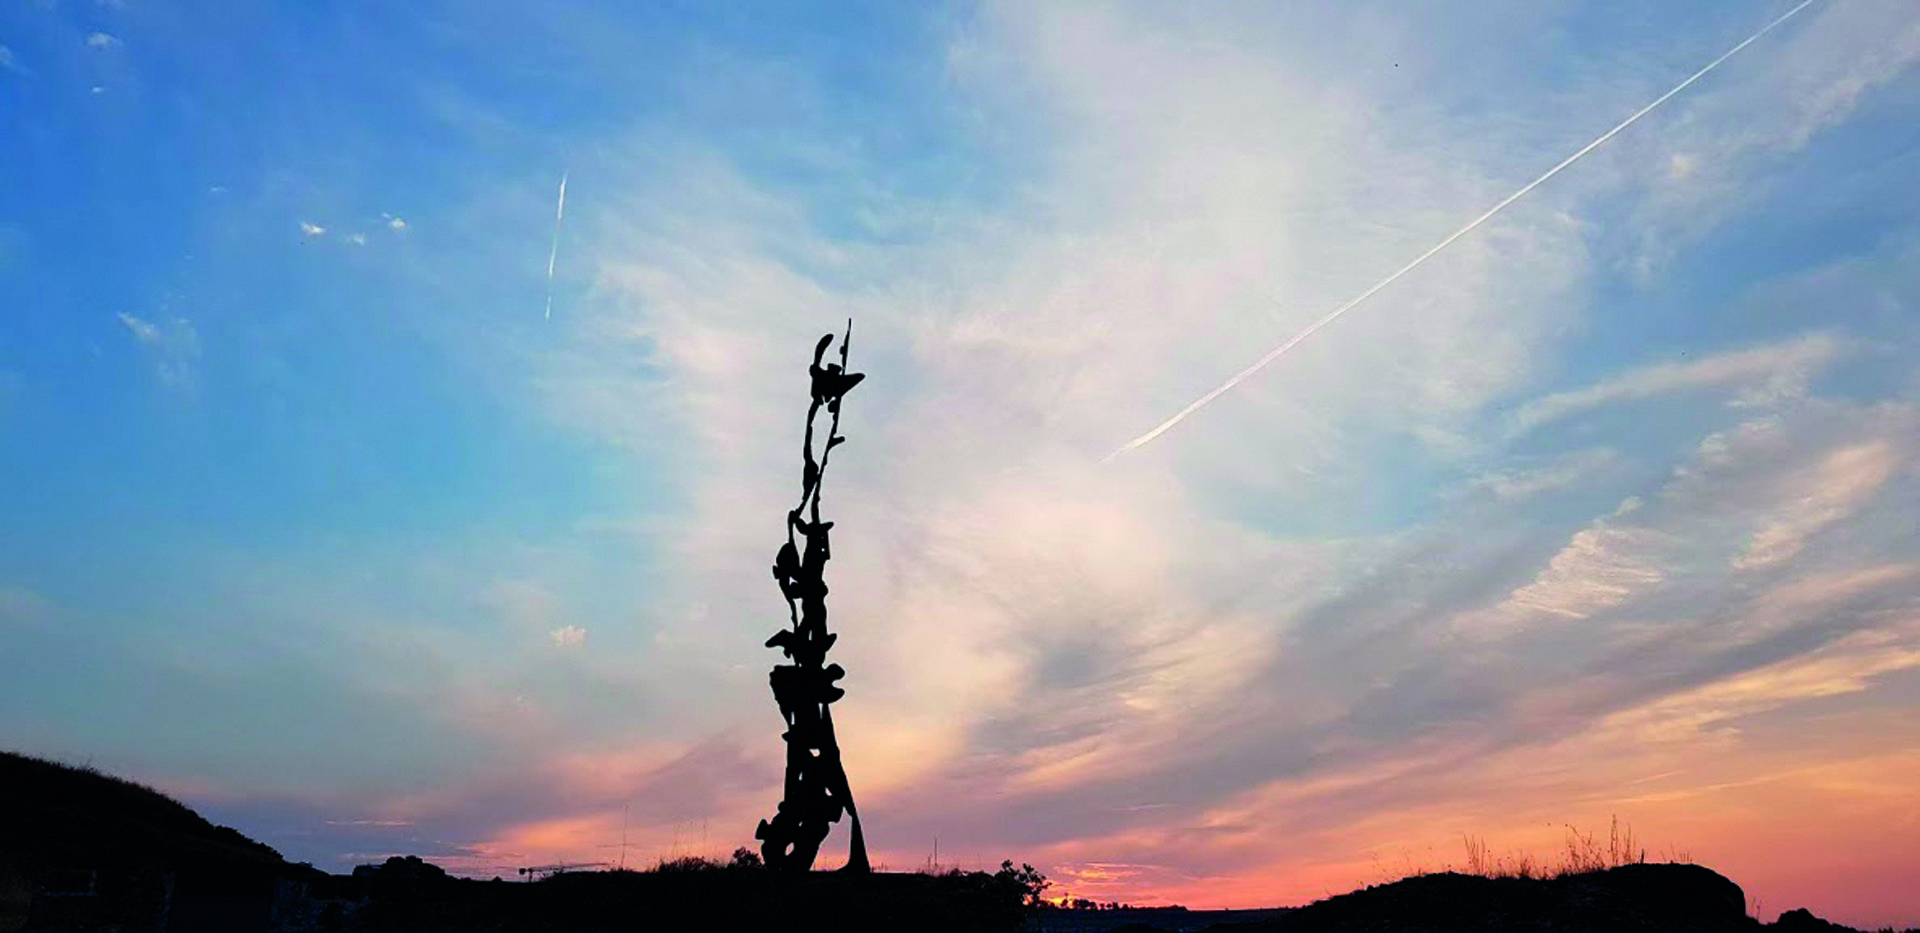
315	518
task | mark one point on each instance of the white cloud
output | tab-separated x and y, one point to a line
357	239
1845	666
1599	568
1832	490
8	62
1180	210
1769	375
1176	226
1565	472
1819	77
1810	78
101	40
143	331
1785	478
1254	601
173	346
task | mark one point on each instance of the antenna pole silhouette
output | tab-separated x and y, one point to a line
816	786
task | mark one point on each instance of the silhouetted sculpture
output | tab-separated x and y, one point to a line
816	786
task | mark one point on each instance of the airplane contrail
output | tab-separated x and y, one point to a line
553	252
1278	351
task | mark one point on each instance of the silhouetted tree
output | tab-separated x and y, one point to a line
1021	886
816	786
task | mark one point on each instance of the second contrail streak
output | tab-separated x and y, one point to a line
1280	350
553	252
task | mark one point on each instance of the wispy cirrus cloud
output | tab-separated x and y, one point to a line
1762	374
1600	567
1085	620
1815	79
1837	486
1362	604
173	346
142	330
1524	481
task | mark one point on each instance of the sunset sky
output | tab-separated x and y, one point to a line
312	516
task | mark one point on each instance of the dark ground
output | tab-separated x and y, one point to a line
1171	919
1672	898
81	850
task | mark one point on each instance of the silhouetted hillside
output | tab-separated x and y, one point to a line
81	850
59	814
1671	898
704	898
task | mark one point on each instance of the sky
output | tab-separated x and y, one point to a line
318	520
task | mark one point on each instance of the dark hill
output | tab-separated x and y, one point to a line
1670	898
81	850
68	816
1677	898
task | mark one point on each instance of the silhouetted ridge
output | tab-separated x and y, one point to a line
1680	898
1671	898
81	850
71	815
